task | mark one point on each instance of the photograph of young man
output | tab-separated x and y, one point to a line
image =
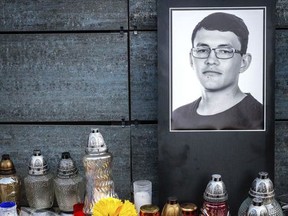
219	56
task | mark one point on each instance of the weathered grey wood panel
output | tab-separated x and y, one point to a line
143	75
281	75
145	156
143	14
61	15
20	140
281	13
281	159
63	77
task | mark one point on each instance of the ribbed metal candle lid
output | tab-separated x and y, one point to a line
262	186
66	166
96	143
37	164
6	165
215	190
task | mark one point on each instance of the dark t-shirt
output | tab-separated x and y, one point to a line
246	115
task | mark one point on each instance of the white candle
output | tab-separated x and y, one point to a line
142	198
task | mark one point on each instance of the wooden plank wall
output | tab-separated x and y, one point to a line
69	66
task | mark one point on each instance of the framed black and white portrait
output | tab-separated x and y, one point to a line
187	87
215	96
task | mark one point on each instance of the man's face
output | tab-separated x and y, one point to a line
217	74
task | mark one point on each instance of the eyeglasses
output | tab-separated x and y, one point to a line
221	52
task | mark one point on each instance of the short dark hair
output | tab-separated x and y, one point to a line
225	22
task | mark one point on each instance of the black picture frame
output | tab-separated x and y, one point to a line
188	157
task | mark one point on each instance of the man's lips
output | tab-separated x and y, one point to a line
211	72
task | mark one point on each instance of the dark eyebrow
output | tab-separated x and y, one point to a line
224	45
202	44
206	45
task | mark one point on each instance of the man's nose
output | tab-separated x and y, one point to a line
212	59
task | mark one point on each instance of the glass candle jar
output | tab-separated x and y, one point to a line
98	171
68	184
215	197
39	183
262	187
10	183
142	190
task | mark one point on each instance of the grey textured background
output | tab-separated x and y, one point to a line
68	66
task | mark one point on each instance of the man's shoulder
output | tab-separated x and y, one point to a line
251	101
182	117
187	107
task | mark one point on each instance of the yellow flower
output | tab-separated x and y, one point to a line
128	209
113	207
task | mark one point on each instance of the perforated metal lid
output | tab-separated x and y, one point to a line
215	190
262	186
96	143
37	164
66	166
